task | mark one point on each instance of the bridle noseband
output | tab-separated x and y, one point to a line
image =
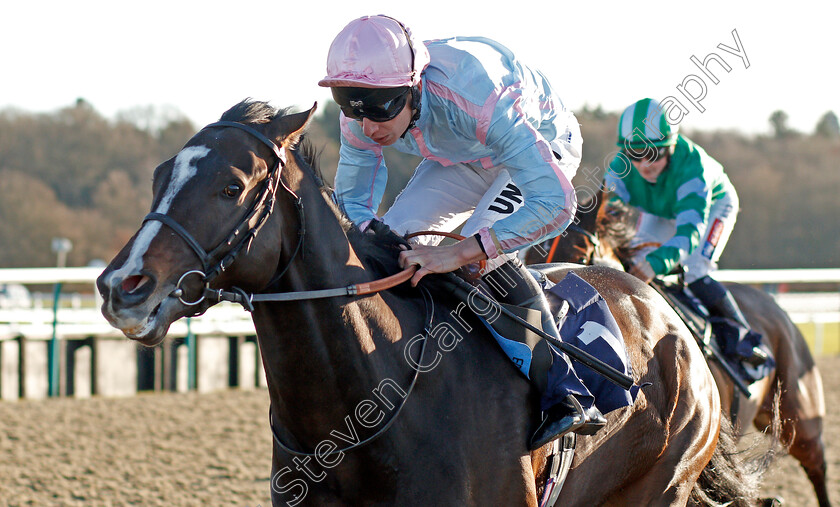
243	233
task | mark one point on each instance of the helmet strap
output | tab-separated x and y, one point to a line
415	105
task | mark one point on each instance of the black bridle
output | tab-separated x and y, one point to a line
244	233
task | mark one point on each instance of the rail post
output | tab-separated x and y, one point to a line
53	359
192	356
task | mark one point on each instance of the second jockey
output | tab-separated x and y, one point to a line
688	208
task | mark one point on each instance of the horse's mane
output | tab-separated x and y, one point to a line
252	111
378	250
260	112
616	222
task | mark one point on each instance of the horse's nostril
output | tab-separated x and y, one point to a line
132	283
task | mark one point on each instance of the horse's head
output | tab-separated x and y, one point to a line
591	239
208	202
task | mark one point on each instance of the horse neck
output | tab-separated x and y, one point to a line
324	355
327	259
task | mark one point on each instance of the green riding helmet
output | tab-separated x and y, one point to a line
644	124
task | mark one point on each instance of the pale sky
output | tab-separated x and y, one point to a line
201	57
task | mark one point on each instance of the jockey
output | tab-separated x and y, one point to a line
688	206
499	151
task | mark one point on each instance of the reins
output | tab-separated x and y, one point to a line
247	300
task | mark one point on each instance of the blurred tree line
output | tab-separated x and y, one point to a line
73	173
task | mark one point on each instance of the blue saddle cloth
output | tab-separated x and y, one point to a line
590	326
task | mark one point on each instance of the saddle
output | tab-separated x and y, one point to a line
584	321
715	335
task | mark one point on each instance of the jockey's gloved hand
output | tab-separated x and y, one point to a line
368	226
377	227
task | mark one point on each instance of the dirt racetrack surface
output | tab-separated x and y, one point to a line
211	449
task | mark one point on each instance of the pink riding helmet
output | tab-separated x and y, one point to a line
375	52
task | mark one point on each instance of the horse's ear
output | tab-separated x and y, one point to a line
292	126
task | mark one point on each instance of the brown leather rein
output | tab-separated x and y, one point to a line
247	300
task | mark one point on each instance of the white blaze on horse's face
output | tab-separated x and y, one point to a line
140	321
185	168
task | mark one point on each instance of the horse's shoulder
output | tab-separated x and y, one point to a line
744	290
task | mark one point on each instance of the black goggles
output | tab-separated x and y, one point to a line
375	104
646	153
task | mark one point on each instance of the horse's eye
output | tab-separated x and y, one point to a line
232	190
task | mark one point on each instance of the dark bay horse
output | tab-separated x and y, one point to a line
241	210
601	236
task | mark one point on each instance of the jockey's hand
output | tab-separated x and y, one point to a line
440	259
643	271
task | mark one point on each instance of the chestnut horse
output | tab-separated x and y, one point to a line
600	237
240	211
